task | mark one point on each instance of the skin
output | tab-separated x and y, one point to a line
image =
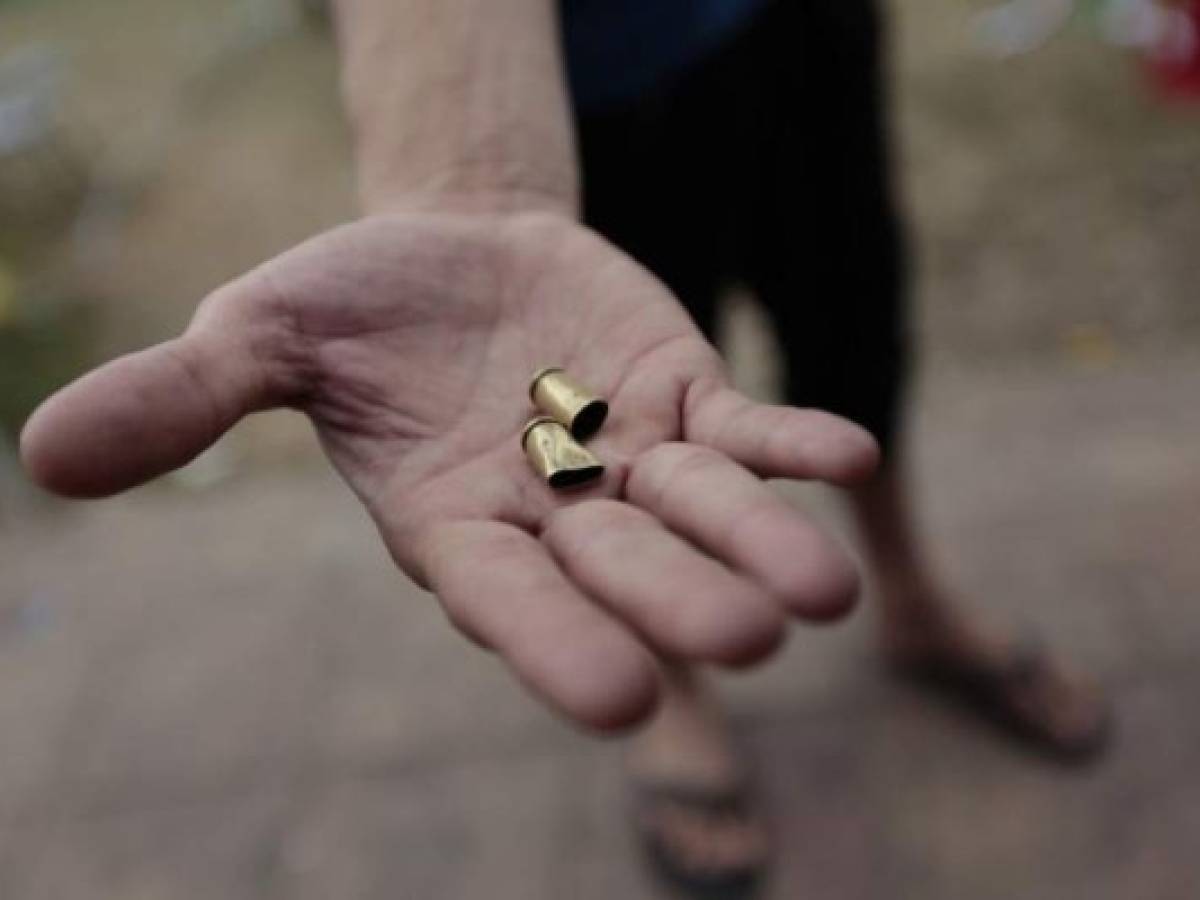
408	340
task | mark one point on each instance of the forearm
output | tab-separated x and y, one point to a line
459	103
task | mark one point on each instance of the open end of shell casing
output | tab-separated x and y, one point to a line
567	401
556	457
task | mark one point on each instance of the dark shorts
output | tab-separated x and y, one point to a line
767	165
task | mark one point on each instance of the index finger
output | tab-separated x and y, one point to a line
780	441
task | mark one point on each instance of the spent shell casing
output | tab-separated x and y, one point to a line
556	457
564	399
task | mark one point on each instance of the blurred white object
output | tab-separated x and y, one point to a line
1132	23
1020	26
1165	30
29	81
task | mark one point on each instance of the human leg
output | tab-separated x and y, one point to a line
828	264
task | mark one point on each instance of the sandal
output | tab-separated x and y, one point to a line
711	806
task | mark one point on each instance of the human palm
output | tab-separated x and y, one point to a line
409	341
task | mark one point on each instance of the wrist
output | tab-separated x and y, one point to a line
469	190
458	104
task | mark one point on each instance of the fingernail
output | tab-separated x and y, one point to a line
568	402
556	457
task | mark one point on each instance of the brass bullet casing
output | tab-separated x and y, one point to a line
556	457
567	401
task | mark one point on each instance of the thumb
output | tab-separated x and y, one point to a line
152	411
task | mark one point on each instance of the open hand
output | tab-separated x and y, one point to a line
409	341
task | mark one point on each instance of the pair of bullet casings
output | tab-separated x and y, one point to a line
570	413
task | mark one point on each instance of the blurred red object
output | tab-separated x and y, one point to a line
1174	64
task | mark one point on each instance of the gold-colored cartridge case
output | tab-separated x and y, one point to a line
556	457
567	401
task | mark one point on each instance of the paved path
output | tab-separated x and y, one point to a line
229	693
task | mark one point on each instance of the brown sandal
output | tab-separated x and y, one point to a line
709	804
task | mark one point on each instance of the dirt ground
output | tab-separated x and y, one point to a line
217	686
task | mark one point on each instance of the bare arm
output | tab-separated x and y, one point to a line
458	103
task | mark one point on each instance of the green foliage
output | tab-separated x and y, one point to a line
40	353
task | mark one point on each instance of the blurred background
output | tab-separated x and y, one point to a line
217	685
